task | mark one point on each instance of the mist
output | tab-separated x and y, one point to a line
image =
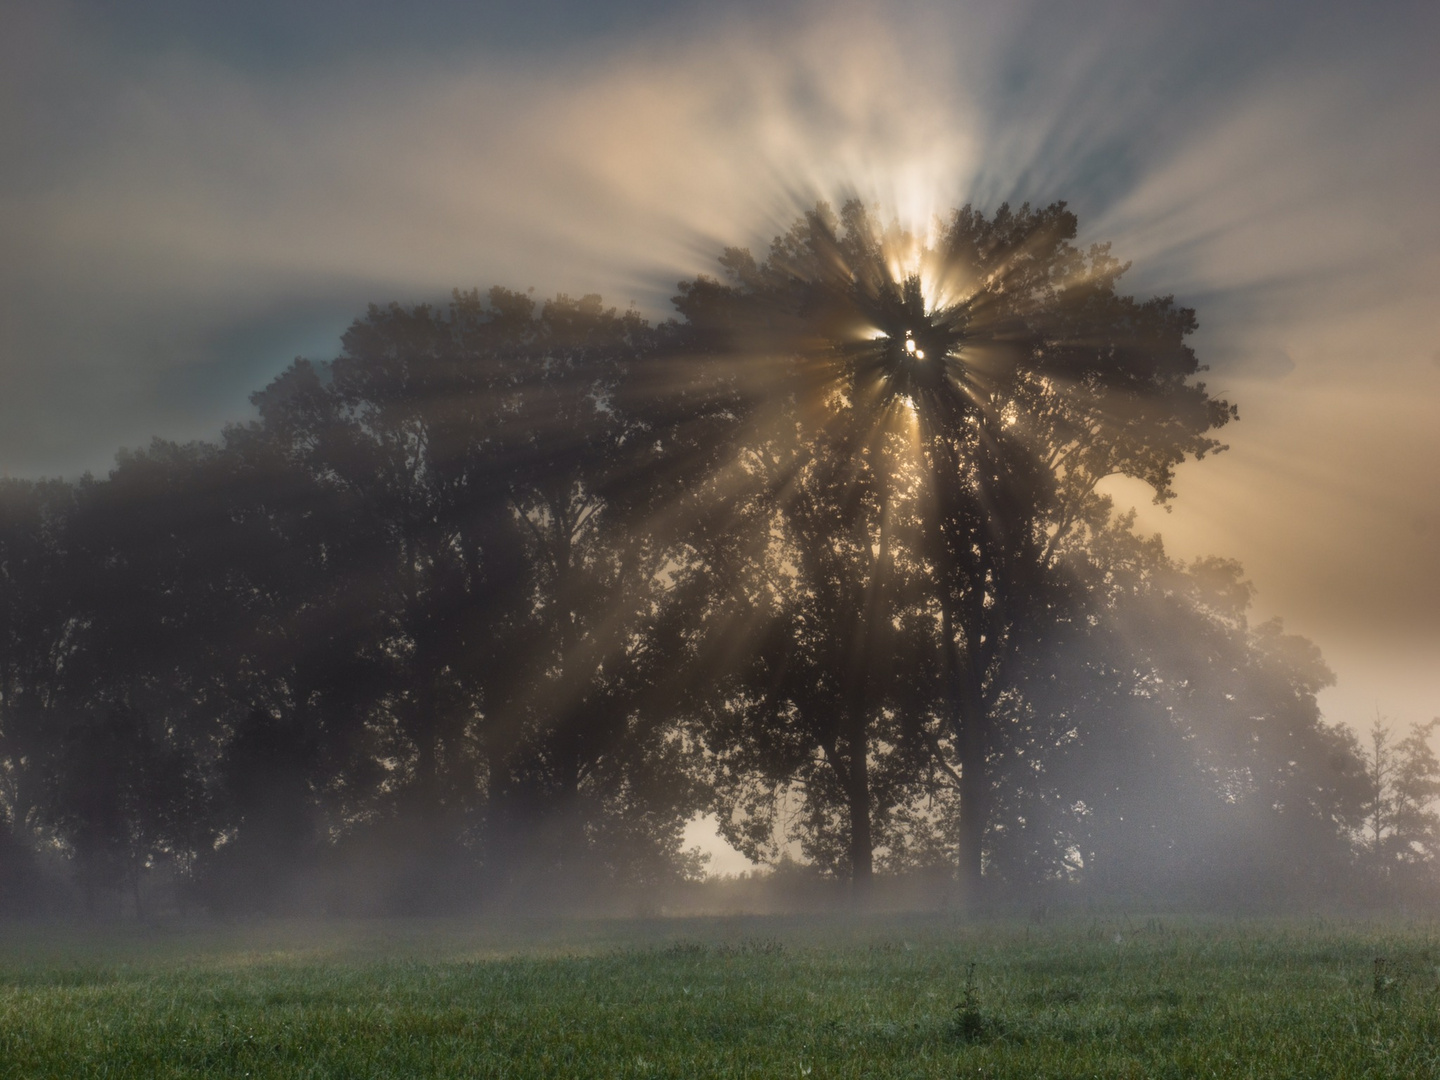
190	203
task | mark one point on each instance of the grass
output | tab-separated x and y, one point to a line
912	996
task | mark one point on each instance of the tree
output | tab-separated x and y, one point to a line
270	812
494	467
1028	379
813	708
1400	834
38	641
122	799
1162	744
510	590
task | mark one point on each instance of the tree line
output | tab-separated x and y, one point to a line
503	596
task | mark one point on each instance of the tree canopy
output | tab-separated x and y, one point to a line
498	600
960	397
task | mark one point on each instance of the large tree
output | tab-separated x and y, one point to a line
1021	377
511	584
493	472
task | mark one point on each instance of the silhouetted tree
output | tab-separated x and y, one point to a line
511	590
500	533
811	708
122	799
270	812
38	641
1029	380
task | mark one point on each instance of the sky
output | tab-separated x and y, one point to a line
194	193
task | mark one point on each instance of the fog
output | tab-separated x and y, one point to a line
187	202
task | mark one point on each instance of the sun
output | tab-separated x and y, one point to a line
918	351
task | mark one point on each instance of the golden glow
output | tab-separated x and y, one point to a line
909	345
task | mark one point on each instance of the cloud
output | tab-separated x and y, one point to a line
203	203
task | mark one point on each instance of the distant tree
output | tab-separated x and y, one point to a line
1400	837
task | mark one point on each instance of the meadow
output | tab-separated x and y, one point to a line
772	996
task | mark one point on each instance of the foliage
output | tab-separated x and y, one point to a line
1400	827
124	798
490	606
955	404
1166	739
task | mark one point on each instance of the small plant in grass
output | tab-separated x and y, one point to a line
970	1023
689	949
1384	980
752	947
1391	976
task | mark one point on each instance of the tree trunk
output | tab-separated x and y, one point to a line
571	821
857	796
873	634
967	719
974	808
508	816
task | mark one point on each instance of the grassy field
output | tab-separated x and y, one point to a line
913	996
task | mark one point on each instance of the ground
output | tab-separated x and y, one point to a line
894	996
